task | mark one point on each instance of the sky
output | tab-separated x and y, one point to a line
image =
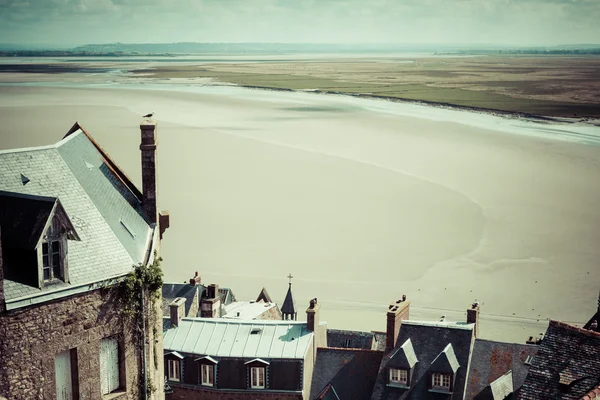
496	22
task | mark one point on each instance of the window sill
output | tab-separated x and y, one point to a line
119	394
398	385
440	390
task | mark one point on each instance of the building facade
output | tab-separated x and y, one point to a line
71	224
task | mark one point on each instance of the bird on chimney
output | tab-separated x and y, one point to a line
149	115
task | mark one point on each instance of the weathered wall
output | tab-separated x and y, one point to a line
181	392
31	337
272	314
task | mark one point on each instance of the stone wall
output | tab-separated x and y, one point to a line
182	392
272	314
31	337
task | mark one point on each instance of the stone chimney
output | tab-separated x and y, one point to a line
2	301
177	309
196	280
149	188
312	315
210	306
473	316
397	312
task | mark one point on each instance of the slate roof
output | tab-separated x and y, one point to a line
264	296
491	360
345	374
171	291
289	305
350	339
429	341
404	357
235	338
567	365
99	201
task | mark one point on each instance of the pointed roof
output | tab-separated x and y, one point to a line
404	357
264	296
289	305
446	361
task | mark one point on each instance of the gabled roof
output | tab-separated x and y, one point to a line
264	296
350	339
428	340
404	357
103	208
25	218
171	291
344	373
289	305
491	360
239	339
566	366
446	361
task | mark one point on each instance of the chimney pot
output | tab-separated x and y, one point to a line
312	315
149	189
473	317
177	309
397	312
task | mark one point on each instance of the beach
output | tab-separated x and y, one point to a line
361	200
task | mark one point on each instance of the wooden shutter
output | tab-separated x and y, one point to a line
64	385
109	365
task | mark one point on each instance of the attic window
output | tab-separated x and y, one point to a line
52	253
24	180
127	228
255	331
399	376
441	381
528	360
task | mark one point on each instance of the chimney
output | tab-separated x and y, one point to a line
397	312
210	306
312	315
177	308
196	280
2	302
473	316
149	189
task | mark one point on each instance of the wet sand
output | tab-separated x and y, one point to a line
360	206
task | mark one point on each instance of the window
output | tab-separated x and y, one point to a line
109	365
257	377
398	376
440	381
174	372
51	260
207	375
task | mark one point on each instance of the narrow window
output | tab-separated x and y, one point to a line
398	376
440	381
174	370
51	259
65	376
208	373
257	377
109	365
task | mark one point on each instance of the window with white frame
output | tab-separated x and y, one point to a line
441	381
398	376
207	375
174	370
257	377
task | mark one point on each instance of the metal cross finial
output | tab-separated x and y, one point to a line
290	277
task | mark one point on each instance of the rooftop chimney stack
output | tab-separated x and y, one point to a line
196	280
397	312
177	309
210	306
149	189
312	315
473	316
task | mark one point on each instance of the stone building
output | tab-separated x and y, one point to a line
71	223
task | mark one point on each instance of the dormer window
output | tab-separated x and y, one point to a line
258	370
441	381
52	259
398	376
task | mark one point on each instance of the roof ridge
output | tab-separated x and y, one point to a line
357	350
592	394
574	328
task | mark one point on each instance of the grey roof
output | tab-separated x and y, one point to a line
350	339
404	357
171	291
446	361
102	207
491	360
236	338
289	305
566	365
264	296
345	373
428	339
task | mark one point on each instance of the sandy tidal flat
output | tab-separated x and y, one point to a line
361	205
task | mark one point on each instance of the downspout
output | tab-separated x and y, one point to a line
145	396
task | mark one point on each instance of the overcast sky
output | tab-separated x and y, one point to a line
511	22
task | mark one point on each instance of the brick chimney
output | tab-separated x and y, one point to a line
196	280
312	315
473	316
210	306
177	309
397	312
2	301
149	188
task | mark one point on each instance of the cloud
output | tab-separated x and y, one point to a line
430	21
